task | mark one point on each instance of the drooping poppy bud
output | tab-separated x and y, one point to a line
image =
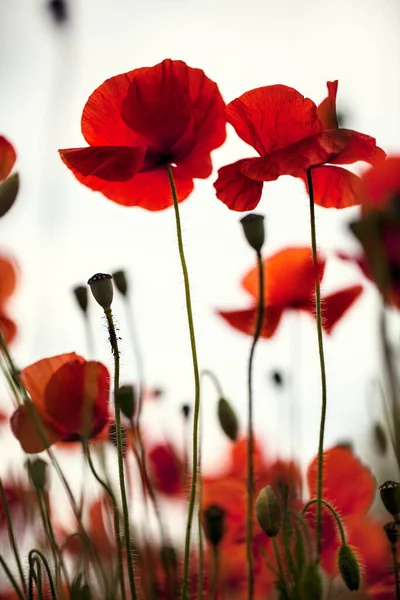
37	470
349	567
268	512
186	409
380	438
126	400
227	419
390	496
120	281
311	583
392	532
58	10
102	289
254	230
214	524
81	296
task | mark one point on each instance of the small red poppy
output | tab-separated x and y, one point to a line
70	396
139	122
289	285
166	470
291	134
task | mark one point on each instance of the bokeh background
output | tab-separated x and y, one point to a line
61	233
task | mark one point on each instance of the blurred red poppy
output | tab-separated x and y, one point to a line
289	285
8	280
7	157
139	122
70	397
291	134
166	470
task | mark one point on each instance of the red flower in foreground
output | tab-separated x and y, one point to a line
291	134
7	158
8	280
289	285
70	396
139	122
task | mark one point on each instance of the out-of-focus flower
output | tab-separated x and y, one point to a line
289	285
8	280
166	470
70	398
139	122
291	134
8	157
21	501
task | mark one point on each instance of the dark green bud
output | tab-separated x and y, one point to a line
37	470
227	419
102	289
169	558
268	512
349	567
214	524
380	438
126	400
81	296
120	282
390	496
254	231
8	193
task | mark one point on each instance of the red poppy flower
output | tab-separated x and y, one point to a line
289	285
139	122
7	157
8	280
70	396
291	134
166	470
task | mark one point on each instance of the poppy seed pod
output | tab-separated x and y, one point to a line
390	496
254	231
268	512
227	419
37	470
349	567
392	532
81	296
120	281
213	524
102	289
311	583
126	400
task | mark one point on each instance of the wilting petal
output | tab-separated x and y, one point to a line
335	305
245	320
8	328
236	190
102	124
111	163
335	187
27	430
8	278
381	184
272	117
166	469
7	157
347	483
327	108
289	277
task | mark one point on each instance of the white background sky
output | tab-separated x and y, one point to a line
61	232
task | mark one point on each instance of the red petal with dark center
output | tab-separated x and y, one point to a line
236	190
245	320
7	157
335	187
110	163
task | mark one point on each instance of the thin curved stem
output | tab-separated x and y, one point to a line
31	558
322	365
281	572
212	376
196	373
396	570
11	536
333	511
250	440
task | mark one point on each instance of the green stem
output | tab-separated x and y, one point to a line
125	512
196	373
322	365
333	511
199	519
10	576
396	570
31	559
211	375
11	536
215	574
280	567
250	441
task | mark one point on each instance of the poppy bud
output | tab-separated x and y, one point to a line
102	289
268	512
169	558
277	378
120	281
380	438
254	231
8	193
390	496
227	419
81	296
126	400
186	408
311	583
392	532
349	567
37	470
58	10
213	524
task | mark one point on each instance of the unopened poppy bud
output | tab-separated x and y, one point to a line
380	438
186	408
392	532
349	567
81	296
277	378
169	558
390	496
254	231
227	419
120	281
102	289
268	512
214	524
37	470
126	400
311	583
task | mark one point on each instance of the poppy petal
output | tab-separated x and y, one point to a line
381	184
335	187
102	124
166	469
356	147
7	157
236	190
8	328
347	483
335	305
245	320
110	163
272	117
25	428
8	278
327	108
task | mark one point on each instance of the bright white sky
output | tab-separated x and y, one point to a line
61	233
